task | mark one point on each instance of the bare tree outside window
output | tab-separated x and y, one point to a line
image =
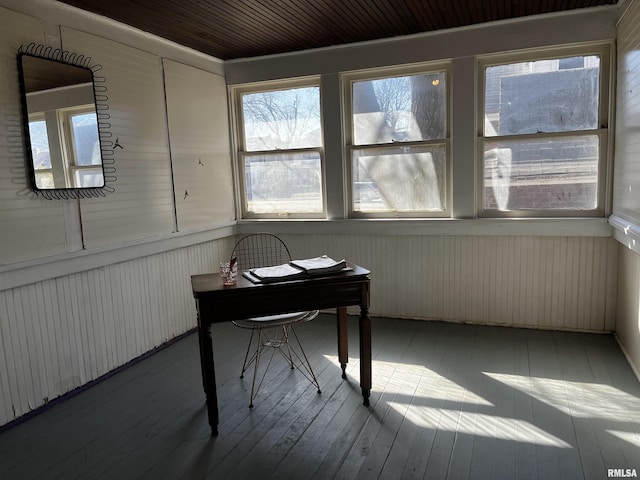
407	109
282	119
282	138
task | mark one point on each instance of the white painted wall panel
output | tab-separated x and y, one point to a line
23	216
540	282
59	334
142	205
200	149
626	200
628	315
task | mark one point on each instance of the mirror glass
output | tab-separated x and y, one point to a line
61	124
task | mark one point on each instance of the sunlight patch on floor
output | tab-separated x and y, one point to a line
630	437
577	399
478	424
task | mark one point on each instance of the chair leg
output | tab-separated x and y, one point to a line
245	365
261	344
255	366
306	364
288	356
302	365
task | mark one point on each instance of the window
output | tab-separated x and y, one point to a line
83	145
543	144
39	140
397	142
280	149
66	148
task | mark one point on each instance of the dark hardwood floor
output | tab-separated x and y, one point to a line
448	402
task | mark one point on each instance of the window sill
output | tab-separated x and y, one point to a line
535	227
626	232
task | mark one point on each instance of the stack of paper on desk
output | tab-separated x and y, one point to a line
297	269
277	272
318	265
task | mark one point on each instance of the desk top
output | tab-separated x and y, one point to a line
211	282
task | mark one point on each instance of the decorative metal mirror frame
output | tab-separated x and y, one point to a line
102	114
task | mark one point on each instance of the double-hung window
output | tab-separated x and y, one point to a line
280	149
397	142
543	140
83	146
66	148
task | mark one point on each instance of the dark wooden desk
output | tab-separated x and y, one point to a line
216	303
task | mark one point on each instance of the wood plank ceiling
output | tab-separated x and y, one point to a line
230	29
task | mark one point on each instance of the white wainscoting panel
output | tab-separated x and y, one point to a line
59	334
29	226
200	151
539	282
142	204
628	315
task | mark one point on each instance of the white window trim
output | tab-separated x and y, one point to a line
604	133
347	80
238	152
70	157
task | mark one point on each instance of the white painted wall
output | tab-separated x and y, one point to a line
22	215
88	285
566	283
626	204
199	134
628	314
142	204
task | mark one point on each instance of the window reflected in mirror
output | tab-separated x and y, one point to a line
61	122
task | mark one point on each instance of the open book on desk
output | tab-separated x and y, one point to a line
296	269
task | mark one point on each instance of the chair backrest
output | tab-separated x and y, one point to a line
260	250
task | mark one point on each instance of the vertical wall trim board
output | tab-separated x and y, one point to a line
173	191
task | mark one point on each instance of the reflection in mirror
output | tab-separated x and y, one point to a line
61	124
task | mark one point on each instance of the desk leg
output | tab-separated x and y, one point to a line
208	374
365	354
343	340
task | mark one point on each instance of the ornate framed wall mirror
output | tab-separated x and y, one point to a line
61	124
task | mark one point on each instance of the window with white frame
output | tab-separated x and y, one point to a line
66	148
397	139
83	147
280	149
543	145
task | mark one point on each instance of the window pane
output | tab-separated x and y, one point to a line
88	177
545	96
284	183
44	179
399	179
410	108
542	174
39	145
85	139
282	119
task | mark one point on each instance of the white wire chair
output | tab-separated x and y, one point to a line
273	331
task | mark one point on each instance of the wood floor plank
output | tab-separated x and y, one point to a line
448	401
